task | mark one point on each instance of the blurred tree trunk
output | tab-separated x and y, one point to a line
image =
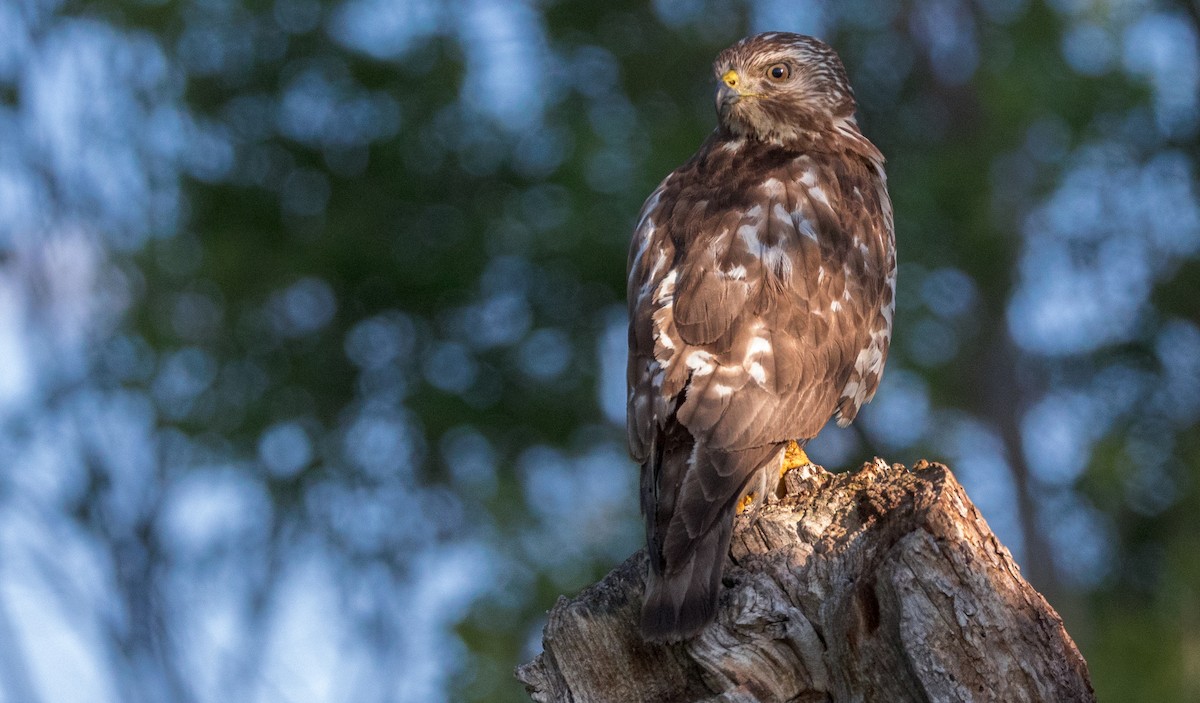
1003	400
880	585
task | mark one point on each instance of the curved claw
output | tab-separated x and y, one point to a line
793	458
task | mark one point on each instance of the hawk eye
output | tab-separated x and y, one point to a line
779	72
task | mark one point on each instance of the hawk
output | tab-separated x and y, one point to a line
762	276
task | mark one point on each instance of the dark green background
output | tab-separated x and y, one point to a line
366	308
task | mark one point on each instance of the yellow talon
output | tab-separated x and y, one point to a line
793	458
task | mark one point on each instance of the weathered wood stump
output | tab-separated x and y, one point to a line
880	585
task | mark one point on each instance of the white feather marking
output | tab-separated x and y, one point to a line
776	260
820	274
758	373
664	294
737	273
660	262
757	347
818	193
701	362
804	225
749	235
722	390
835	306
807	230
773	187
870	359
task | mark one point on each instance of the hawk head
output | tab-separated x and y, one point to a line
777	86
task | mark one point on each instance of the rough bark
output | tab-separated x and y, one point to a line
880	585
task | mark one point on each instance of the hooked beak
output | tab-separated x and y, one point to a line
726	98
729	92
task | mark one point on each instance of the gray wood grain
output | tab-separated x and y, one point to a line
884	584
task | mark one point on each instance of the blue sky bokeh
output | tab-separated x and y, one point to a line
228	471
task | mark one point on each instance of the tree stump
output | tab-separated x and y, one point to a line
879	585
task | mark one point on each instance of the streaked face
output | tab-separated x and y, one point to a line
772	86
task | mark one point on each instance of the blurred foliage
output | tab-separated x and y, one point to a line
393	297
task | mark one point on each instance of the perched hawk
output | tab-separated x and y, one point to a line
762	275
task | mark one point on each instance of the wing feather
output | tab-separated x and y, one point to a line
753	339
760	307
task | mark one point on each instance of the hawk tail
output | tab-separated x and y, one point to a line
689	497
680	601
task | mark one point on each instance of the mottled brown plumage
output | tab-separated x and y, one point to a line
761	282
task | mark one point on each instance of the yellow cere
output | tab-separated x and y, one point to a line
731	78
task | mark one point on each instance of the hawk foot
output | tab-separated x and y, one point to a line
793	458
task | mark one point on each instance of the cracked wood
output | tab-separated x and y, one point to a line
883	584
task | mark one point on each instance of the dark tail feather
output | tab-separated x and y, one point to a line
681	601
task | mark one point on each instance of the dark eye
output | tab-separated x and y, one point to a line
779	72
